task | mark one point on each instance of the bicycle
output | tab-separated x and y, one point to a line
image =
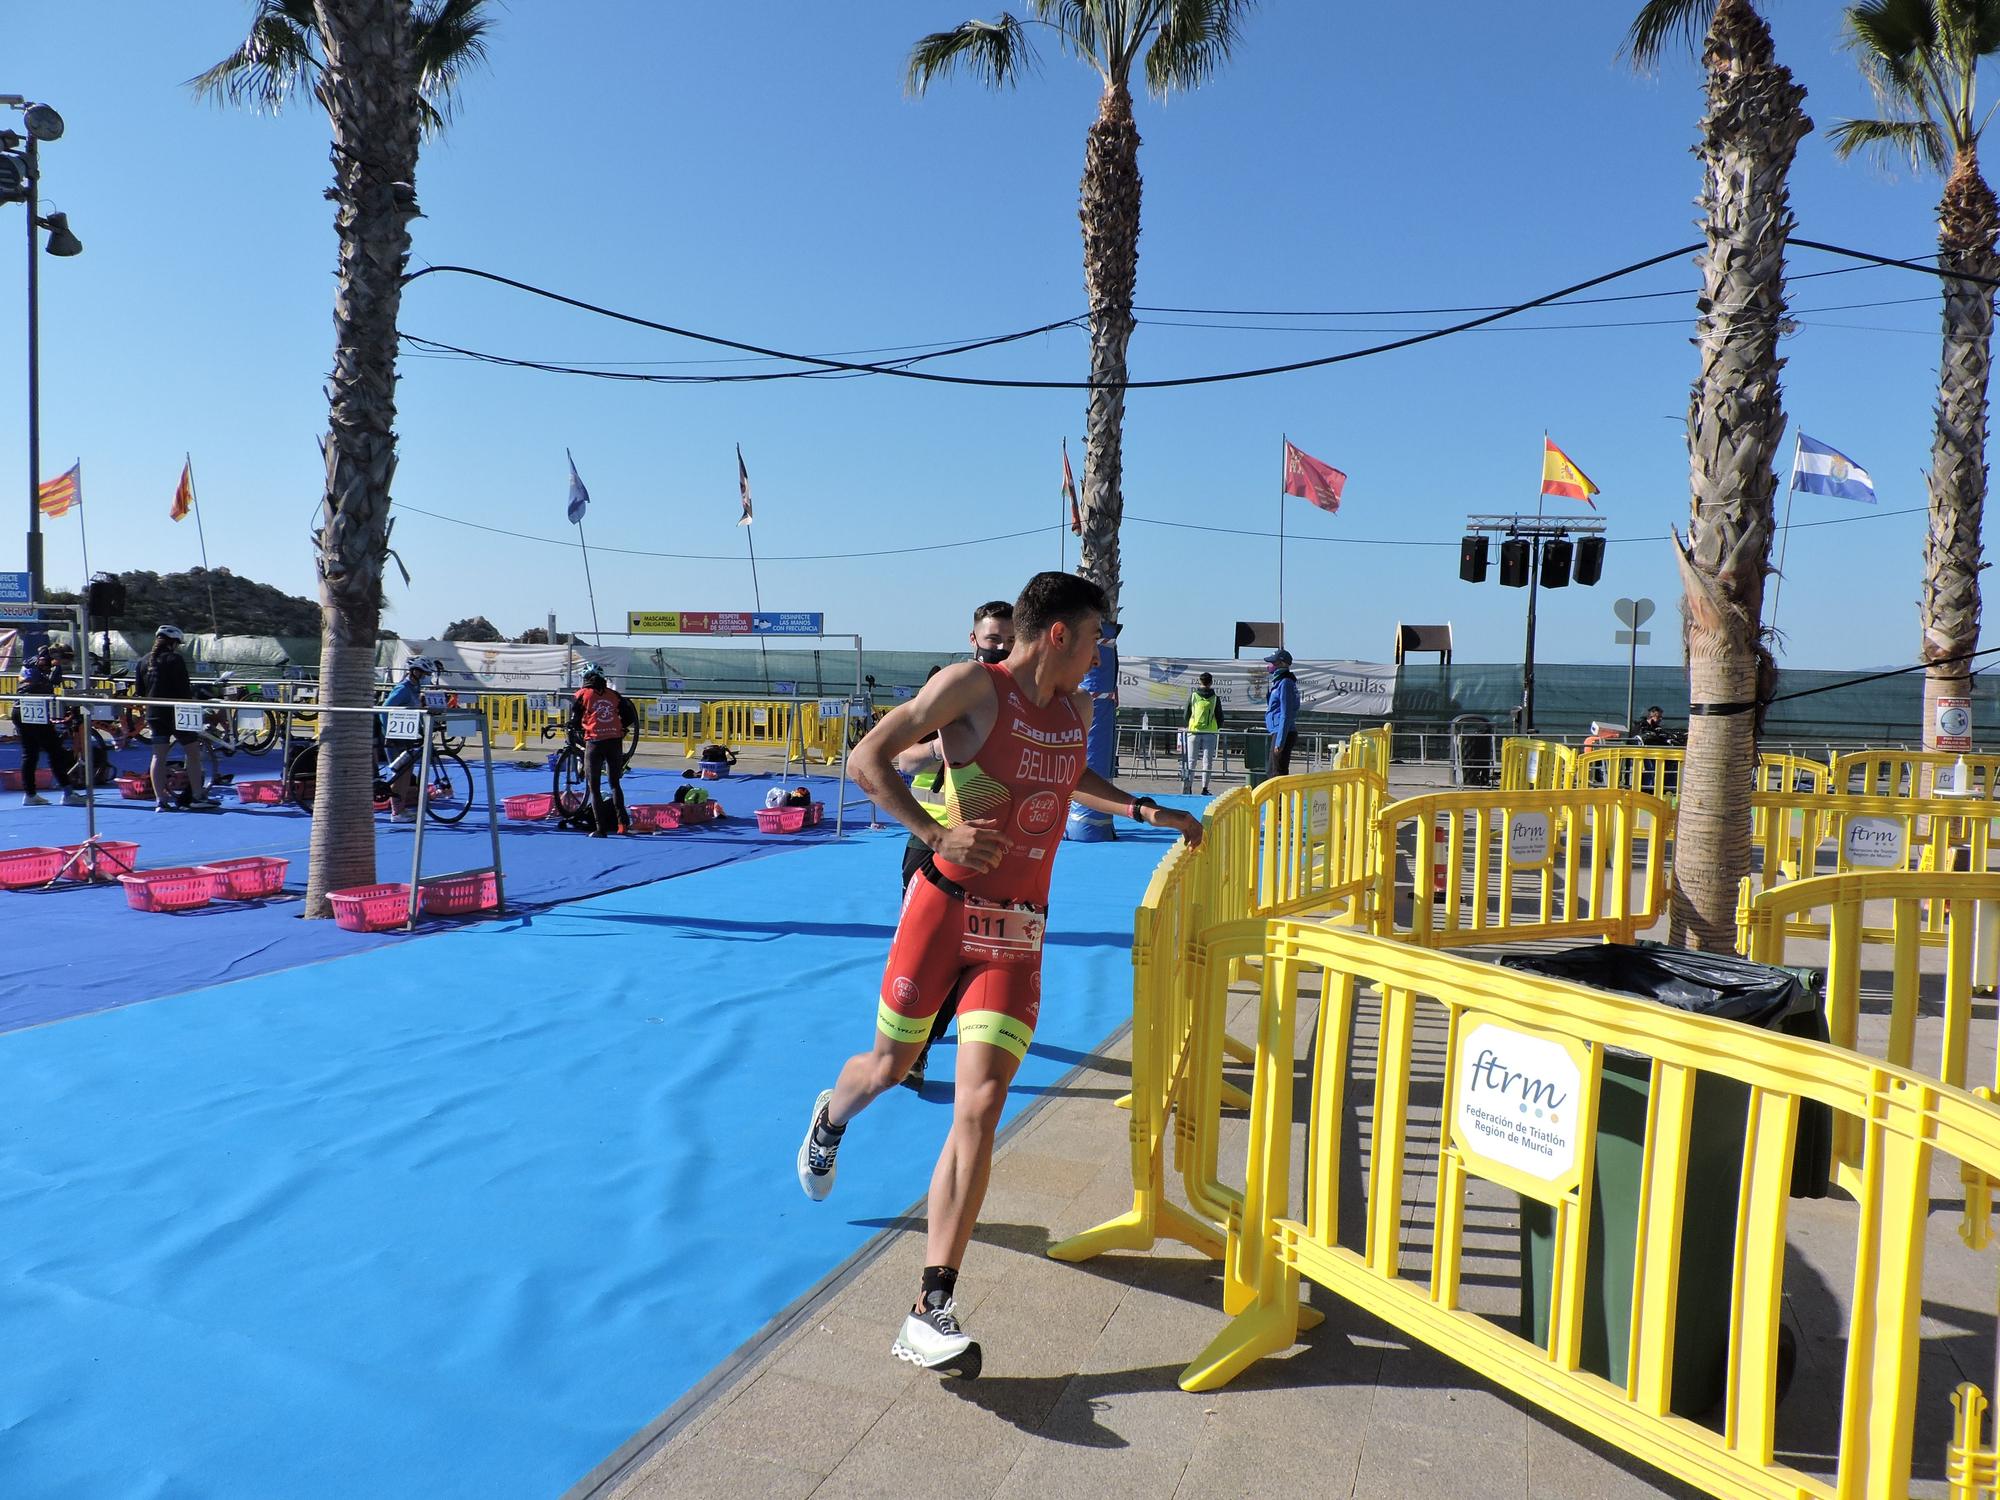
569	786
450	795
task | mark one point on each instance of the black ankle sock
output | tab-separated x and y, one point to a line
825	1132
940	1283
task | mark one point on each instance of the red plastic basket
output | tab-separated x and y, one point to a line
456	895
176	889
35	865
814	814
655	815
135	787
529	807
115	857
260	791
249	878
10	780
301	790
371	908
780	819
701	812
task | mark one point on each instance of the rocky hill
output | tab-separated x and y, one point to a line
242	605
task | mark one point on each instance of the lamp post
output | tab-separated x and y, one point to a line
20	181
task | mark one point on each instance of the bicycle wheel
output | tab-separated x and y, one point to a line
450	789
567	786
261	732
630	747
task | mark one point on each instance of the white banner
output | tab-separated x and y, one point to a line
496	666
1367	689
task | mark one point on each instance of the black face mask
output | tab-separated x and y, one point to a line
991	655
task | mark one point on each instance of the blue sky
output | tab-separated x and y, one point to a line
757	172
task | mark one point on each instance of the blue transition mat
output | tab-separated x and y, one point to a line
460	1215
92	951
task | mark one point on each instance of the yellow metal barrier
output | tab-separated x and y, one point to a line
1914	900
1365	750
1794	834
746	724
1528	765
1657	769
1477	857
1908	773
1514	1038
1315	842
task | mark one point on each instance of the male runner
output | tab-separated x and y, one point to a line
991	639
1013	738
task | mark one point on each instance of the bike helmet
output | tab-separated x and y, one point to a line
592	677
170	633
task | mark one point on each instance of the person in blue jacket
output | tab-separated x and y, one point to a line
1281	713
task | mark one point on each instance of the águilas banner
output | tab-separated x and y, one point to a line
1325	687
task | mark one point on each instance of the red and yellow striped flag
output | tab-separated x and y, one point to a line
56	496
184	492
1562	477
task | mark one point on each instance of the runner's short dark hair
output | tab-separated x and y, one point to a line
1050	597
993	609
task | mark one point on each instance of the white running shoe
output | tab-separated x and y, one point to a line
816	1164
934	1340
34	799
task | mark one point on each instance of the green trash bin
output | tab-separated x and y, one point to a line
1721	985
1256	756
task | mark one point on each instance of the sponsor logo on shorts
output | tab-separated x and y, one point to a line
906	990
1039	813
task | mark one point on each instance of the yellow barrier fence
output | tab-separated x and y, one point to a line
1528	765
1793	835
1503	867
1908	773
1657	769
1513	1040
1917	905
1365	750
1315	842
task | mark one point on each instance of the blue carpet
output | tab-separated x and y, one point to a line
457	1217
94	952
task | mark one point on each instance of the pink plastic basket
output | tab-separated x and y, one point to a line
814	814
700	812
456	895
529	807
135	787
176	889
780	819
371	908
655	815
260	791
249	878
10	780
35	865
114	857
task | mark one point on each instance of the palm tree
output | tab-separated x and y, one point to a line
384	76
1183	43
1921	57
1735	421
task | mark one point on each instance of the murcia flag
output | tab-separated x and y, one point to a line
1560	476
57	495
1820	470
1309	479
743	484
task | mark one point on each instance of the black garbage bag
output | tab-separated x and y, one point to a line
1722	986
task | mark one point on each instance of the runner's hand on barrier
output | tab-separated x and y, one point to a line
1187	825
976	844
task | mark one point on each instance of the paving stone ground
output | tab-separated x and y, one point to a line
1079	1395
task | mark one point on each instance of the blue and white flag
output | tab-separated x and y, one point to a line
579	497
1820	470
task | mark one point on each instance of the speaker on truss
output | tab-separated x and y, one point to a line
107	596
1514	563
1472	559
1555	562
1589	560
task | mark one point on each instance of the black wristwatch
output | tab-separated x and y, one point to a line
1137	803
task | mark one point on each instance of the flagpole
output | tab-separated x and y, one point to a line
1778	593
83	529
757	600
194	494
1283	443
588	587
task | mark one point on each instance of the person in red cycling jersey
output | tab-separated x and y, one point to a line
599	716
974	917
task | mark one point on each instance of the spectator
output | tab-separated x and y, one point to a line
1281	713
1203	730
163	675
1652	729
41	676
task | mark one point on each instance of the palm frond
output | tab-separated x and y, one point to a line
276	62
1662	24
1919	142
449	39
1194	42
994	51
1080	25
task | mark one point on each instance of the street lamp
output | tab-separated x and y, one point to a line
20	182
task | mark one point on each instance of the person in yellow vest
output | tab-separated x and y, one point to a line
992	639
1204	728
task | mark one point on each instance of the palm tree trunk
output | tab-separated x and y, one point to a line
1968	225
370	92
1110	214
1735	421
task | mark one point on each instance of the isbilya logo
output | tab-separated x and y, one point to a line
1492	1075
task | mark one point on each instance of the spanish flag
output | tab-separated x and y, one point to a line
184	492
1561	477
56	496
